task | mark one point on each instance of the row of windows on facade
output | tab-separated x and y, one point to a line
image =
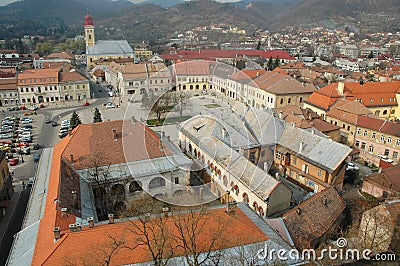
193	80
4	95
38	80
370	148
50	88
234	188
50	99
382	100
304	167
382	137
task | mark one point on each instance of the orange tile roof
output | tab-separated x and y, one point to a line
45	238
348	111
38	76
196	67
73	76
133	142
84	246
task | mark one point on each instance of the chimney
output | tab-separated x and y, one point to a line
64	212
241	151
57	233
162	133
312	131
265	166
325	200
133	120
201	192
341	87
147	217
281	115
91	222
72	158
292	124
298	211
110	218
73	194
75	227
160	144
258	74
114	132
231	207
223	133
165	211
301	146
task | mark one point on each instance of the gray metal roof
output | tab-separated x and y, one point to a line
322	151
21	252
37	198
110	47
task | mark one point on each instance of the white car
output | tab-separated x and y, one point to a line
385	158
27	121
110	105
352	167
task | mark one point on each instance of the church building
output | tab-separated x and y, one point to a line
107	49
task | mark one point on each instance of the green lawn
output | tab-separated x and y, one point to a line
169	120
212	105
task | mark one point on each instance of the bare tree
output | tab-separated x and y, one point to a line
180	101
151	231
98	174
199	236
375	230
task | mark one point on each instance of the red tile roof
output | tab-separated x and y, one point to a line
311	219
247	75
84	246
389	178
370	94
73	76
130	142
198	67
38	76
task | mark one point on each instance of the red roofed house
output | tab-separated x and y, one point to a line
52	85
379	97
385	184
378	137
313	221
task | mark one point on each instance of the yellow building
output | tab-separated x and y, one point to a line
143	50
109	49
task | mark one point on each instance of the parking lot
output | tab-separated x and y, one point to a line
19	139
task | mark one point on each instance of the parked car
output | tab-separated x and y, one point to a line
31	181
62	134
47	120
21	144
14	161
27	126
27	121
385	158
6	136
42	106
352	167
24	150
110	93
25	139
36	146
110	105
86	104
36	158
54	124
33	108
22	107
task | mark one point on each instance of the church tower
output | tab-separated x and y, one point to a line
89	30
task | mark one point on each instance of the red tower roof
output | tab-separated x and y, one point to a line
88	20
